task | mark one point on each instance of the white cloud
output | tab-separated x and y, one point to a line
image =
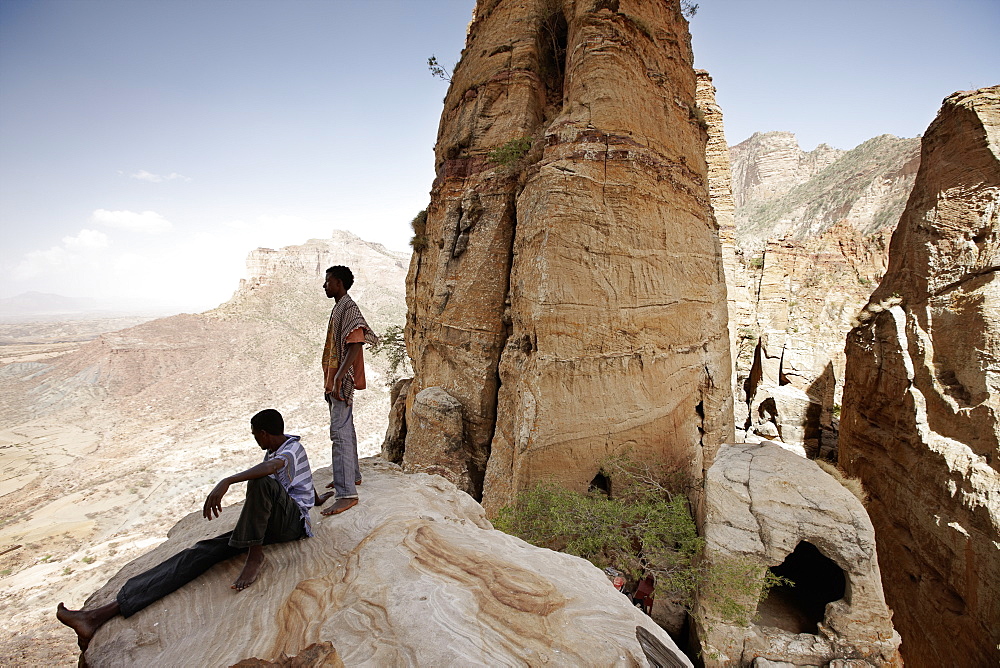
74	253
37	263
87	239
147	221
143	175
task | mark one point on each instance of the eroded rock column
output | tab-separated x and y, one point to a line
921	414
568	288
617	296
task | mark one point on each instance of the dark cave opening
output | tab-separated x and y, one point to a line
553	39
601	484
815	581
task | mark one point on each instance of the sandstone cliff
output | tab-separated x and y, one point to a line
769	164
106	447
921	417
569	292
866	186
414	575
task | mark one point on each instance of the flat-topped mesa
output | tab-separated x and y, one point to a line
921	414
569	291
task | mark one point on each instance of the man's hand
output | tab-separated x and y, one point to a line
213	504
338	381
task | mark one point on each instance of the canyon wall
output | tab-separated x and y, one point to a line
567	289
809	243
921	413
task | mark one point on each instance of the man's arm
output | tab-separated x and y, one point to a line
213	504
350	356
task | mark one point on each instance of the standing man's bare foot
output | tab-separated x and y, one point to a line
251	569
86	622
339	506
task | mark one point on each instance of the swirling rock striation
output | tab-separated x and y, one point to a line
414	575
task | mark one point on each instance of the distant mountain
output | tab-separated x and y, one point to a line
782	192
43	303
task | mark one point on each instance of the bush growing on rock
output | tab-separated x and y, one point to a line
642	525
644	528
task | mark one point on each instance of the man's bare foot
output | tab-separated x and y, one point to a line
86	622
321	498
251	569
330	486
339	506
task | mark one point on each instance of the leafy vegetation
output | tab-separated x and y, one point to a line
733	586
392	345
510	153
438	70
419	224
645	527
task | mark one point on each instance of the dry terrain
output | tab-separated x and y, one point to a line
105	445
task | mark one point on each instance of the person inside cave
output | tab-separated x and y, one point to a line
280	493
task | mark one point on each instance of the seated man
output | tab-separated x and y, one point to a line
280	493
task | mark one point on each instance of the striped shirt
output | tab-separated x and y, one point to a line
295	476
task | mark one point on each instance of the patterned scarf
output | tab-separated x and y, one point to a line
344	319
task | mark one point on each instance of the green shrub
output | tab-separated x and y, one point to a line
510	153
419	224
646	528
392	344
733	586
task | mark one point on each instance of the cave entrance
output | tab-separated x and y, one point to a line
600	484
816	581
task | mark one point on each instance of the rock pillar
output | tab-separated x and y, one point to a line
921	414
571	293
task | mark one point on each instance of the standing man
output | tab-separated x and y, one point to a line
343	372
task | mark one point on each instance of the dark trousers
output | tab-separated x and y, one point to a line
269	516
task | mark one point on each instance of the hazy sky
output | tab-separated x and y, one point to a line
147	146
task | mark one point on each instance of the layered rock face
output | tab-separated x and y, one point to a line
769	164
921	417
780	197
573	302
414	575
772	507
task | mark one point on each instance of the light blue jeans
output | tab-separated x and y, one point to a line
345	448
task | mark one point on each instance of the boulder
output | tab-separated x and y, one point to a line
395	436
769	506
921	415
413	575
435	442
